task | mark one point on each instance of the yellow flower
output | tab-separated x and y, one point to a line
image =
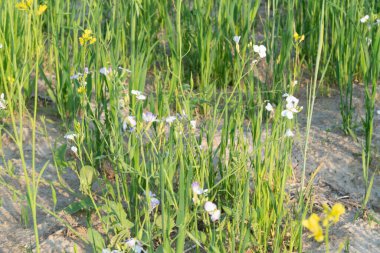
81	90
298	38
24	5
41	9
333	214
11	80
87	38
312	224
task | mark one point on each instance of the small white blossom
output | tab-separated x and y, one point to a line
70	136
291	101
287	113
364	19
149	117
131	121
269	107
261	50
126	70
197	189
105	71
135	245
215	215
210	207
74	149
369	41
289	133
193	124
285	95
170	119
136	92
3	102
141	97
76	76
237	39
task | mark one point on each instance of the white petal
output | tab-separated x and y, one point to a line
210	207
215	215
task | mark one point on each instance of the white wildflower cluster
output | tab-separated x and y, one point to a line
212	210
364	19
261	50
130	122
291	109
291	106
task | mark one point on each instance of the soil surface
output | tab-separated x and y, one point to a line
338	180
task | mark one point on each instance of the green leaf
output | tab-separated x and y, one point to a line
87	176
84	204
96	239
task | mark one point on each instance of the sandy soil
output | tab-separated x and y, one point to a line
340	179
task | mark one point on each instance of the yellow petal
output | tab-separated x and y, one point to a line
41	9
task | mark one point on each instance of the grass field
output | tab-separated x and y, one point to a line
177	120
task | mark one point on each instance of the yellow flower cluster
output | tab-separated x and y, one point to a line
27	5
298	38
81	90
331	214
87	38
313	225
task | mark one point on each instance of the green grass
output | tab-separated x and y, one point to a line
183	57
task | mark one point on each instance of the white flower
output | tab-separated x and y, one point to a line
291	106
170	119
285	95
269	107
193	124
149	117
154	202
289	133
378	112
195	186
74	149
141	97
369	41
3	102
136	92
105	71
291	101
70	136
76	76
237	39
287	113
134	245
377	22
215	215
261	50
364	19
106	251
210	207
126	70
131	121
